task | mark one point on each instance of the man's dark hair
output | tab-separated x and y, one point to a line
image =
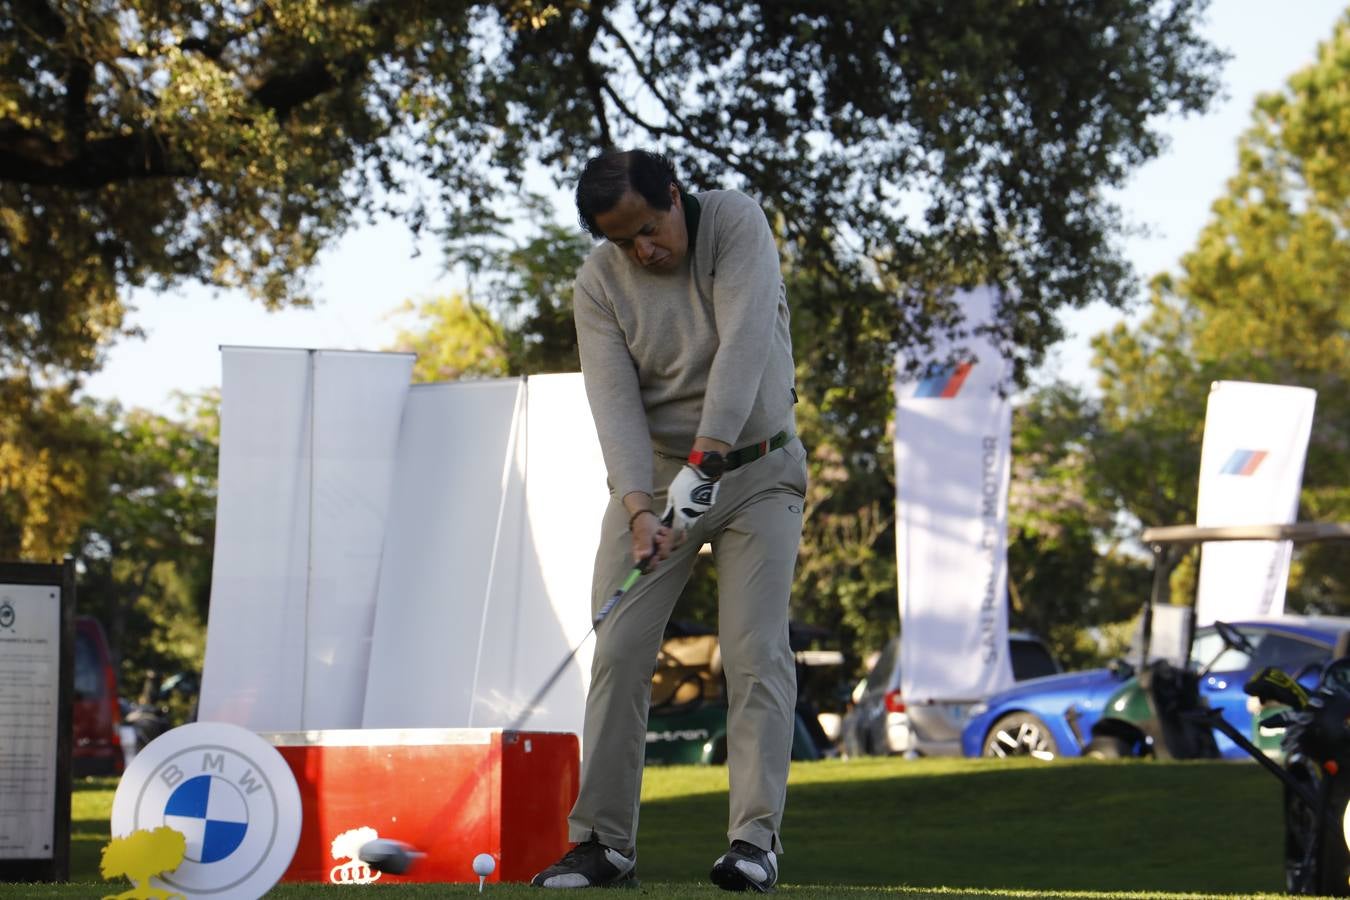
609	176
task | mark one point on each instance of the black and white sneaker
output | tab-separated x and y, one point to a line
745	867
590	864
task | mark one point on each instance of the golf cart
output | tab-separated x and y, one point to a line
687	724
1314	730
1150	714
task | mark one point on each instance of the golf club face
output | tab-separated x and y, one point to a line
393	857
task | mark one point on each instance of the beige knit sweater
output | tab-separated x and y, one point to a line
704	350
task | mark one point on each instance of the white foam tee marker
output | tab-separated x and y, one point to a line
483	865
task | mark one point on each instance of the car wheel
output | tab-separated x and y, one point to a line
1020	734
1108	747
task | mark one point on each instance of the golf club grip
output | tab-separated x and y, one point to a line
643	566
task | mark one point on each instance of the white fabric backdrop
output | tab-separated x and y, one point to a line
487	573
1251	472
391	564
253	671
306	463
952	449
541	608
457	500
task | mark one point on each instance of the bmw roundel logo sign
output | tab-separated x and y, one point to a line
229	793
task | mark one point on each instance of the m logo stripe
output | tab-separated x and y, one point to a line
1244	462
945	382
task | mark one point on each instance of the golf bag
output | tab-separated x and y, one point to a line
1316	747
1315	774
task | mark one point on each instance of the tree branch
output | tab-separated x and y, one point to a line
47	21
648	79
31	157
284	92
595	84
78	78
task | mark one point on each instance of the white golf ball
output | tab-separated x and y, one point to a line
483	864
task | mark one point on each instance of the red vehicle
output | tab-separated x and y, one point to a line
96	745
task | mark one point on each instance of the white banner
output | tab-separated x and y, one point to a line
307	450
565	498
389	557
254	666
486	587
952	449
453	534
1251	472
358	403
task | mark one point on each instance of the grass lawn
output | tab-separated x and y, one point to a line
909	829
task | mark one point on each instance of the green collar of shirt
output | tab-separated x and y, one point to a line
691	214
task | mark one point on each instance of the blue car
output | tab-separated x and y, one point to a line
1053	716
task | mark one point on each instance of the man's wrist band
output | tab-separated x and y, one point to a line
633	517
710	462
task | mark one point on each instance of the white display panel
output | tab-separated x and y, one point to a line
253	674
487	565
454	532
308	444
391	556
547	612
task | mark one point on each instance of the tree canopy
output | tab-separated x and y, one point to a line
1260	297
899	145
131	495
144	551
900	149
48	480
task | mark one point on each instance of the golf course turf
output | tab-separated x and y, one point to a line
912	828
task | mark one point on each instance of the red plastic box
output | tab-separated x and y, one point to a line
452	793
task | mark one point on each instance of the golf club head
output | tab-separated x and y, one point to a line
1276	685
385	855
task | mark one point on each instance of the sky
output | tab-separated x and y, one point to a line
366	276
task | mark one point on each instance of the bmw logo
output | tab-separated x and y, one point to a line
232	797
211	813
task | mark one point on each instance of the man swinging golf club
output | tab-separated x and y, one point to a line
682	325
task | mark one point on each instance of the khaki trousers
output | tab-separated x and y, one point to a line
754	528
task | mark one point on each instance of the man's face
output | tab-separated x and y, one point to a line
654	239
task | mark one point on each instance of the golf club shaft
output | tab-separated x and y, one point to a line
642	567
638	571
400	860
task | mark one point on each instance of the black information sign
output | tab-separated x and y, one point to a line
37	656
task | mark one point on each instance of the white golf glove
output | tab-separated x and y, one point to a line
690	495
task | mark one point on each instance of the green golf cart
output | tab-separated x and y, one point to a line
687	724
1149	714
